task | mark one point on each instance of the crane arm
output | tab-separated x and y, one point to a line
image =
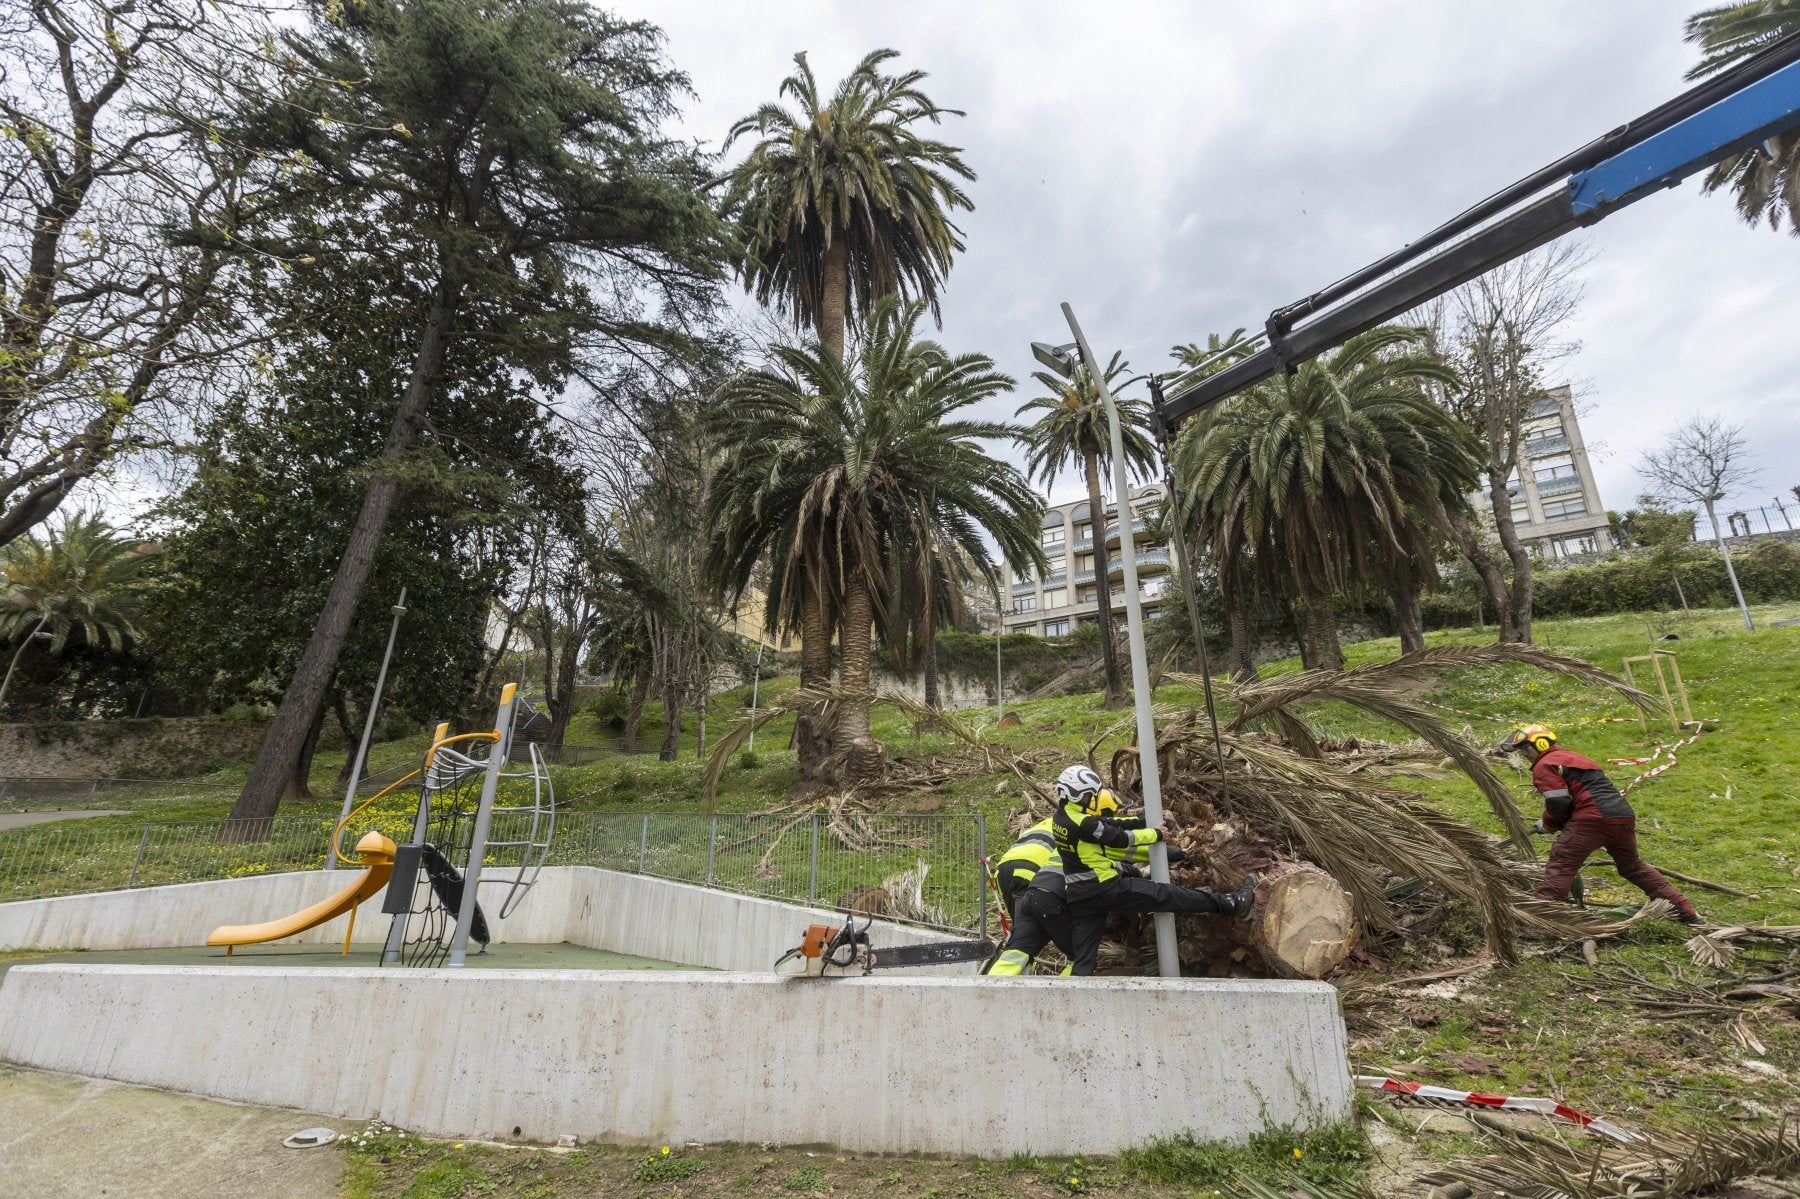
1734	110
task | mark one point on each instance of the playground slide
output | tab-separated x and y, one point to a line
375	851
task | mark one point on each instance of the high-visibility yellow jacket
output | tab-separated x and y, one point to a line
1083	842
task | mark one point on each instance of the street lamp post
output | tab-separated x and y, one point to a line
1168	962
362	747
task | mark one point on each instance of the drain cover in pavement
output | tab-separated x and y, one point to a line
310	1138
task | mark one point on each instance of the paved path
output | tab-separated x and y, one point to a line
63	1137
12	820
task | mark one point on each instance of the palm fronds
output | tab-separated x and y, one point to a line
1662	1165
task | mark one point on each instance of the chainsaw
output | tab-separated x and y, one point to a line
829	951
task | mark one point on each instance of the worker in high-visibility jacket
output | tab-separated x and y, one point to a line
1093	877
1085	826
1019	864
1033	862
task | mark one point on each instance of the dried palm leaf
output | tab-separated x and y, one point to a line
1663	1165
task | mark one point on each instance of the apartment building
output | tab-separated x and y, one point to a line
1068	594
1555	505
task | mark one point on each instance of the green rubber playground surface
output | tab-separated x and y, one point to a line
500	957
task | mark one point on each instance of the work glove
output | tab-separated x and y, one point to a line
1176	853
1538	829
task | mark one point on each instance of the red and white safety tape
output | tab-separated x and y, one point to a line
1699	727
1511	1103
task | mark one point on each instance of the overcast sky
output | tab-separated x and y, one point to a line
1173	169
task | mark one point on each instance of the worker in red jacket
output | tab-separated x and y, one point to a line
1592	814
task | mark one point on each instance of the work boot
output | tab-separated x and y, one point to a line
1692	918
1239	902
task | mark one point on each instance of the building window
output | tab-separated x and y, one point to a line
1568	546
1054	538
1025	603
1056	599
1521	514
1154	588
1561	508
1562	466
1056	628
1024	628
1084	595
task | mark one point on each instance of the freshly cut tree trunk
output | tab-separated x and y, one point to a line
1302	925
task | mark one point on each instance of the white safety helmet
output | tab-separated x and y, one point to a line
1078	782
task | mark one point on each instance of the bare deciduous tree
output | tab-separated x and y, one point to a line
1505	332
1704	462
118	219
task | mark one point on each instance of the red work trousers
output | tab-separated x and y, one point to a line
1619	838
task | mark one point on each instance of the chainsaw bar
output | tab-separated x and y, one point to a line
936	953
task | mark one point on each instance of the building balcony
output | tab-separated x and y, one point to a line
1537	447
1083	576
1146	560
1112	532
1024	586
1056	580
1084	545
1542	408
1563	486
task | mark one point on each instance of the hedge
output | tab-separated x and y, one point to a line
1769	572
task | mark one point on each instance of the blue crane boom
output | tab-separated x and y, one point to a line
1735	110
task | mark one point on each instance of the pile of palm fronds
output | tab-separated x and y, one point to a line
1272	775
1660	1165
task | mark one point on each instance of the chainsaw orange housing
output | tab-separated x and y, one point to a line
817	936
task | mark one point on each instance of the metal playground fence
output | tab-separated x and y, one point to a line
925	868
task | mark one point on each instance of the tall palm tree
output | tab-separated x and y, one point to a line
841	203
1072	429
1765	178
848	471
81	582
1324	477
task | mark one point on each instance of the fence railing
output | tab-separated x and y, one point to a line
821	859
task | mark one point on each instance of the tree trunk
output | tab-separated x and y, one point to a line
561	702
812	730
1491	576
634	717
1407	616
1109	650
1243	655
341	707
930	665
1321	632
671	743
1516	608
834	303
860	751
301	704
298	784
1302	925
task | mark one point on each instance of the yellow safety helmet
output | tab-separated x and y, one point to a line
1539	736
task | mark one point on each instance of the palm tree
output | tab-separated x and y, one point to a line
1765	178
1073	429
840	203
81	583
850	472
1328	476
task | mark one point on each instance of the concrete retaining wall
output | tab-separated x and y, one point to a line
897	1064
625	913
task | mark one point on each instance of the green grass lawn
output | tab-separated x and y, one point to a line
1550	1025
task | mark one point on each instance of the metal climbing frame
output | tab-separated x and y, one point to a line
462	830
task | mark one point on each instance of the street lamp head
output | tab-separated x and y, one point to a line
1060	359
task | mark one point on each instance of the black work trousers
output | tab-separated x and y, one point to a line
1039	918
1088	914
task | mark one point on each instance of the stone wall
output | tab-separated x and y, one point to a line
162	748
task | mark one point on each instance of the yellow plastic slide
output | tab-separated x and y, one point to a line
375	851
